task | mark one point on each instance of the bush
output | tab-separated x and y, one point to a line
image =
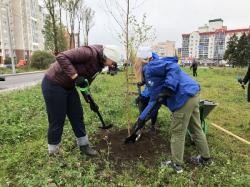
41	60
7	60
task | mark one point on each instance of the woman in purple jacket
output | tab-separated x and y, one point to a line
70	69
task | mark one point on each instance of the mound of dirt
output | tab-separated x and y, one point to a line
148	148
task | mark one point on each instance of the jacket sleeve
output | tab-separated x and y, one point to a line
172	76
247	76
150	110
79	55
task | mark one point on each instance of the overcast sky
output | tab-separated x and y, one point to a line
172	18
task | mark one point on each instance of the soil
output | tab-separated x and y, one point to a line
148	148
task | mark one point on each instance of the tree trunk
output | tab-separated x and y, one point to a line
127	81
79	29
87	37
52	13
72	41
55	36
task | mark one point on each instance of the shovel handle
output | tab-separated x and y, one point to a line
95	108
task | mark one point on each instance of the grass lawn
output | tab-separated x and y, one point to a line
23	139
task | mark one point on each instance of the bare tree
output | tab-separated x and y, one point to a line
79	18
122	13
87	22
60	6
51	6
119	10
132	32
141	32
72	7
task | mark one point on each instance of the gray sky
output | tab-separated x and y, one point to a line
171	18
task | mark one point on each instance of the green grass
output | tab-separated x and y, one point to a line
23	139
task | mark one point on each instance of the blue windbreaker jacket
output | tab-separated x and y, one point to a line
166	73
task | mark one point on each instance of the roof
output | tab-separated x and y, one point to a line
215	20
222	30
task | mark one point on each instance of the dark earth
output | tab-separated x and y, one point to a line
148	148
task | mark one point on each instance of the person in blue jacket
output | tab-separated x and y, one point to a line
143	99
169	85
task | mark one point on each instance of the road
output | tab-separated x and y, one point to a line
20	81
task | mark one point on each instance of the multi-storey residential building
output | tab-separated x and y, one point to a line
193	43
165	48
185	45
209	42
21	25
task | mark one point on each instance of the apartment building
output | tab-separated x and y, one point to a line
209	42
21	25
166	48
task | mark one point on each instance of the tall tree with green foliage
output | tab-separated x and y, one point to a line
49	36
241	50
230	53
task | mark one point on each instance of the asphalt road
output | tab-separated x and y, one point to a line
20	81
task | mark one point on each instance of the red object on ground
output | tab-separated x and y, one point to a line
21	63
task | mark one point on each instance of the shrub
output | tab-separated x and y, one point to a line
41	60
7	60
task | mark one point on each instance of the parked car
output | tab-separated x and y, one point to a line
6	65
2	78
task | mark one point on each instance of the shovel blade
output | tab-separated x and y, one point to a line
133	138
106	126
130	139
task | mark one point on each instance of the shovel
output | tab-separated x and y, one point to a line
85	91
240	80
139	124
94	107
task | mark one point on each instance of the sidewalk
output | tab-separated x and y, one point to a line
20	87
21	81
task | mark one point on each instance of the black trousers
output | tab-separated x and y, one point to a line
195	72
60	103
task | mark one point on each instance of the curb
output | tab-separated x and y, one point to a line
21	87
25	73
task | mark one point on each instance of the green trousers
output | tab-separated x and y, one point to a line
187	117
